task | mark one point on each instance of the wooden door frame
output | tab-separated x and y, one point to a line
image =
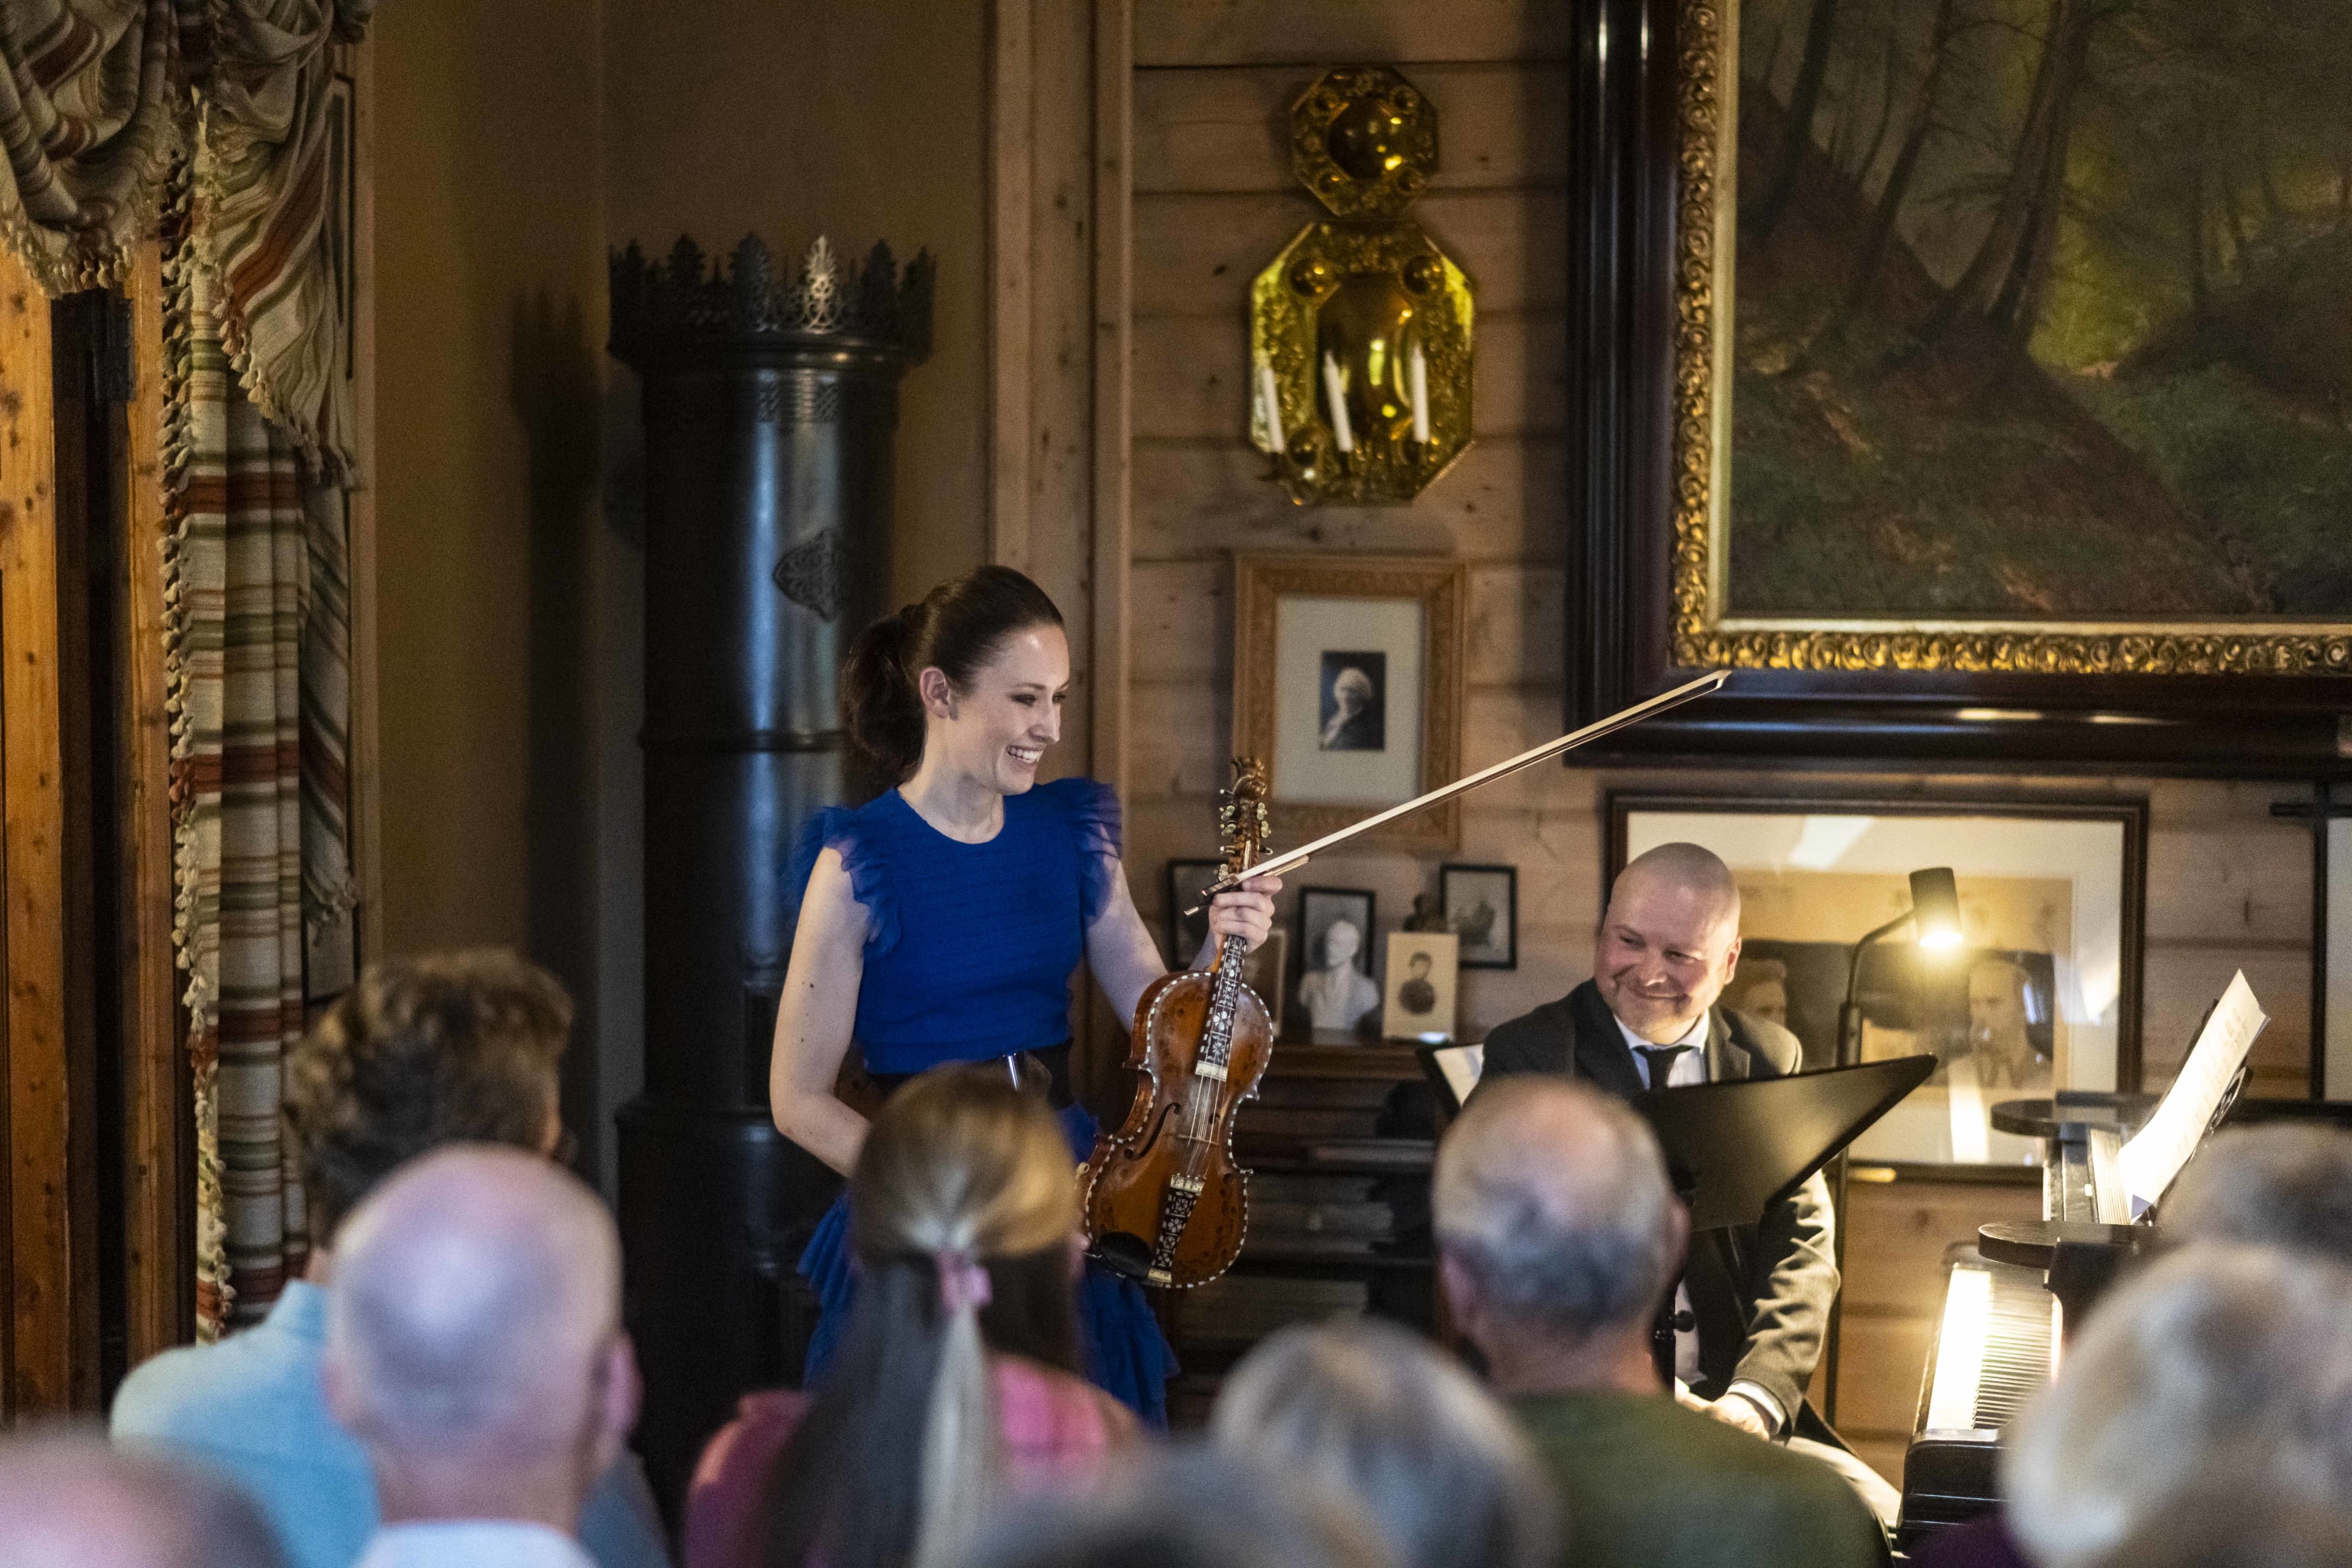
37	1332
159	1180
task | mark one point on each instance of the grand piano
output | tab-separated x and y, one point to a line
2007	1302
2009	1298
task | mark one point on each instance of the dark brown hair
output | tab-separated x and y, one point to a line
438	1048
958	627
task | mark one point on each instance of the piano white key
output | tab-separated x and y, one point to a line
1959	1350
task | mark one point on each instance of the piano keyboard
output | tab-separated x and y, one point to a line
1996	1344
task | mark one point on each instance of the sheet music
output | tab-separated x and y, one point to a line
1461	1065
2158	1150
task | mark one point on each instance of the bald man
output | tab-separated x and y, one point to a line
1756	1299
475	1349
1557	1235
69	1502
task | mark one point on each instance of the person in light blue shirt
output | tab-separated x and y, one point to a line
422	1052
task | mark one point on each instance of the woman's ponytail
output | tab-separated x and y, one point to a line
958	628
880	705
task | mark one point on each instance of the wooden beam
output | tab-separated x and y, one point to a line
39	1370
159	1223
1011	90
1114	273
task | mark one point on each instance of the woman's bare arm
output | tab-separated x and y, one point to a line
816	1017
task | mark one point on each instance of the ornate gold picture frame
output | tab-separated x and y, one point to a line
1700	631
1347	674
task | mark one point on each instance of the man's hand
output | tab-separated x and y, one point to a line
1732	1410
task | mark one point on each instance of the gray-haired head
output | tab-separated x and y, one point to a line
1553	1197
2238	1356
1379	1415
68	1500
2230	1519
473	1315
1179	1508
2281	1185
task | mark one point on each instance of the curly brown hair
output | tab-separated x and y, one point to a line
438	1048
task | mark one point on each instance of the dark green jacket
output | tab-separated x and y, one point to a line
1645	1483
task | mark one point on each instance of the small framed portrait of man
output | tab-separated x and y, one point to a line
1347	682
1481	904
1335	991
1418	1004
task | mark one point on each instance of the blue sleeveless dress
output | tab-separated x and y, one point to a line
969	949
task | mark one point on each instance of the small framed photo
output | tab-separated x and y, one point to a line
1481	904
1422	989
1188	881
1335	959
1349	686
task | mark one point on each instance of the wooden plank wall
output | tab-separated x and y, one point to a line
2227	886
1213	202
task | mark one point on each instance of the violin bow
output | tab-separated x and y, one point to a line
1290	859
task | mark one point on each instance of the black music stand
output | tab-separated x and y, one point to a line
1735	1147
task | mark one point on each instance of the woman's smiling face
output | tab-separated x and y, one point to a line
998	728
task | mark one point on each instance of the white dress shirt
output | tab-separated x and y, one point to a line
1690	1067
472	1543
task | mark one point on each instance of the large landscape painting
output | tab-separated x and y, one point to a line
2042	311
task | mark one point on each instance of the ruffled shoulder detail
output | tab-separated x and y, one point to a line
845	832
1092	808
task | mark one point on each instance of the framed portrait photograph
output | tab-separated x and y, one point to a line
1422	986
1348	684
1481	905
2041	993
1187	880
1336	990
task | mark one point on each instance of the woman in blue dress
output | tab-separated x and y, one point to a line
942	921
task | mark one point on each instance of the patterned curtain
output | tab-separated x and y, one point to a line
239	568
100	99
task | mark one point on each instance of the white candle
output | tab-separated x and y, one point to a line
1417	372
1269	398
1336	390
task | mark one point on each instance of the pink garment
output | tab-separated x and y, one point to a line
1052	1425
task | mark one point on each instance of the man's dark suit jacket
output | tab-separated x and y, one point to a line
1761	1293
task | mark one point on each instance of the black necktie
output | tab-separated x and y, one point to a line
1660	1059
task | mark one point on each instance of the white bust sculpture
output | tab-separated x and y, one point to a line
1337	994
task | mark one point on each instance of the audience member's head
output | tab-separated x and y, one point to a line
67	1500
474	1339
963	1213
1181	1509
1669	942
2237	1356
2282	1185
2227	1521
438	1048
1558	1234
1378	1416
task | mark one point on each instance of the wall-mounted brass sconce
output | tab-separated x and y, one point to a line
1360	328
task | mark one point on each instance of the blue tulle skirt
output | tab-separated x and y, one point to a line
1126	1354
